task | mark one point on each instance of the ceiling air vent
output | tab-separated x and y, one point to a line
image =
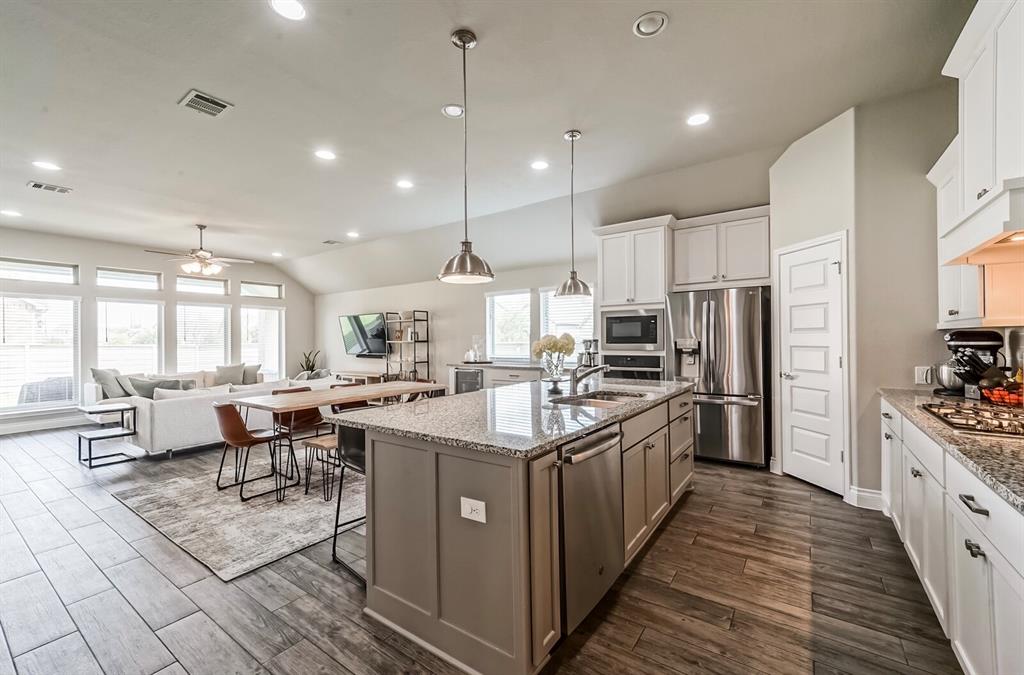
331	242
204	103
59	189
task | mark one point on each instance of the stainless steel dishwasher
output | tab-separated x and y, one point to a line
592	546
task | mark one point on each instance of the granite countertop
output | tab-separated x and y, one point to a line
505	365
517	420
996	460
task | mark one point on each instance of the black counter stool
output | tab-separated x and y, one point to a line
351	454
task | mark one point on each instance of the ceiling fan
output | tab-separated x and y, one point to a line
199	260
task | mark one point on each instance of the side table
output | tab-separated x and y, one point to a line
123	430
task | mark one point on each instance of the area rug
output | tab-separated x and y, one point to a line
232	537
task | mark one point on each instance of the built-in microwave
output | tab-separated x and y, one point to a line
633	330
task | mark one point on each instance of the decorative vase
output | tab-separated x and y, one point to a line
553	363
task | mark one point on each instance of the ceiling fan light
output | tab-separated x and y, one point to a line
573	286
466	267
191	267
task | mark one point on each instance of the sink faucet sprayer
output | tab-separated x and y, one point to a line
579	373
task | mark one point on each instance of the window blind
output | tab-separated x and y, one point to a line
128	336
571	314
508	325
261	340
203	338
38	352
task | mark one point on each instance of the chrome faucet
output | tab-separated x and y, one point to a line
578	373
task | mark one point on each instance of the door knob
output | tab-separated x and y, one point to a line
786	375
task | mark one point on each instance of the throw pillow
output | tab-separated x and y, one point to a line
219	389
107	379
126	383
229	374
186	385
320	374
249	373
160	394
277	384
145	388
304	375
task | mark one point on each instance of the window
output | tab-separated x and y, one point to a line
28	270
572	314
149	281
128	336
261	340
253	289
201	285
508	325
203	338
38	352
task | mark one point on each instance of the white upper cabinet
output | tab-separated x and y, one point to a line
695	251
632	262
726	249
977	125
1009	113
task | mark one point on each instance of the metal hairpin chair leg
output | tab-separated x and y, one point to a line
341	528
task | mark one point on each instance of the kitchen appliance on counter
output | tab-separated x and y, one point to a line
720	342
593	552
634	366
635	330
979	419
975	355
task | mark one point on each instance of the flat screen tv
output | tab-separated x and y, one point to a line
364	335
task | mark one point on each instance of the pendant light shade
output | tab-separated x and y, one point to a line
465	267
573	285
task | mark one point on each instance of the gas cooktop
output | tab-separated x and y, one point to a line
979	419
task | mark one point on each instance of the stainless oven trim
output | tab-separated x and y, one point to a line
659	346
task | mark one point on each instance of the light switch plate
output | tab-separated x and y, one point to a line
474	509
922	374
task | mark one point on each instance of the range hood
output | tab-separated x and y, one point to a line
985	237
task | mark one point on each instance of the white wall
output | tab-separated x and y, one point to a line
538	234
457	312
89	254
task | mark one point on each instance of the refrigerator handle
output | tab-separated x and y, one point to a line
712	344
702	346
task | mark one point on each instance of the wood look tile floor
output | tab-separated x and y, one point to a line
750	573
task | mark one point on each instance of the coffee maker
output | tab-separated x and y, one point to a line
588	357
974	352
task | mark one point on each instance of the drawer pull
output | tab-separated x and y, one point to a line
686	455
686	418
952	312
982	193
969	502
888	436
887	416
648	445
974	549
915	473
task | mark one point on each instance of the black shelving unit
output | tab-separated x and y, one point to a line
408	345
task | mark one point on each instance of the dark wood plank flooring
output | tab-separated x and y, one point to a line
751	572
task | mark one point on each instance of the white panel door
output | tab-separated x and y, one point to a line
811	326
613	284
743	249
977	126
648	266
695	252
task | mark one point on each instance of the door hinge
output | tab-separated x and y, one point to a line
839	266
840	360
842	457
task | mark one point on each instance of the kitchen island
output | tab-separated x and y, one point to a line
496	519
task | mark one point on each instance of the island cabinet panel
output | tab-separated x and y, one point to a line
634	499
637	428
545	566
656	466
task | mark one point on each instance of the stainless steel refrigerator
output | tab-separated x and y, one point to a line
720	342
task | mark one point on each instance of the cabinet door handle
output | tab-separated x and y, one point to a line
649	445
686	418
969	502
887	416
723	276
974	549
982	193
915	473
686	455
714	276
888	436
952	312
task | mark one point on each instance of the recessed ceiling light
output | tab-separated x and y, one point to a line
289	9
404	184
323	153
698	119
539	165
453	110
10	213
650	24
46	166
277	254
352	235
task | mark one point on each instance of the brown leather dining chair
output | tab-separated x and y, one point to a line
418	395
241	439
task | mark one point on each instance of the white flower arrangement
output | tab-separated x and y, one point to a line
565	344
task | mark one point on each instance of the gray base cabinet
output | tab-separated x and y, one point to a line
545	574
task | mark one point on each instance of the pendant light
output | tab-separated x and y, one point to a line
465	267
573	285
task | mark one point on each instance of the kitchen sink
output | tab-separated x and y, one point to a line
599	399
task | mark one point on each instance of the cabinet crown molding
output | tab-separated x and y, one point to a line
667	220
723	217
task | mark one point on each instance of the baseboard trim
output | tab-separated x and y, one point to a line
42	423
865	499
775	466
422	643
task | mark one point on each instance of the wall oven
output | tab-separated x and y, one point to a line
629	367
633	330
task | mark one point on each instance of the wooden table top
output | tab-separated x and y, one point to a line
303	400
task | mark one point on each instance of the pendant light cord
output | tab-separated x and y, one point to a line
572	204
465	151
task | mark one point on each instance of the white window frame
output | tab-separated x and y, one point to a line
243	294
75	272
571	359
282	366
161	343
76	382
488	338
159	279
227	327
199	294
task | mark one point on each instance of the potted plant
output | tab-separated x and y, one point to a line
552	352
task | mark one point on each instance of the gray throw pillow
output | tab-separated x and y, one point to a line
145	388
107	379
185	385
229	374
126	383
304	375
320	374
249	373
